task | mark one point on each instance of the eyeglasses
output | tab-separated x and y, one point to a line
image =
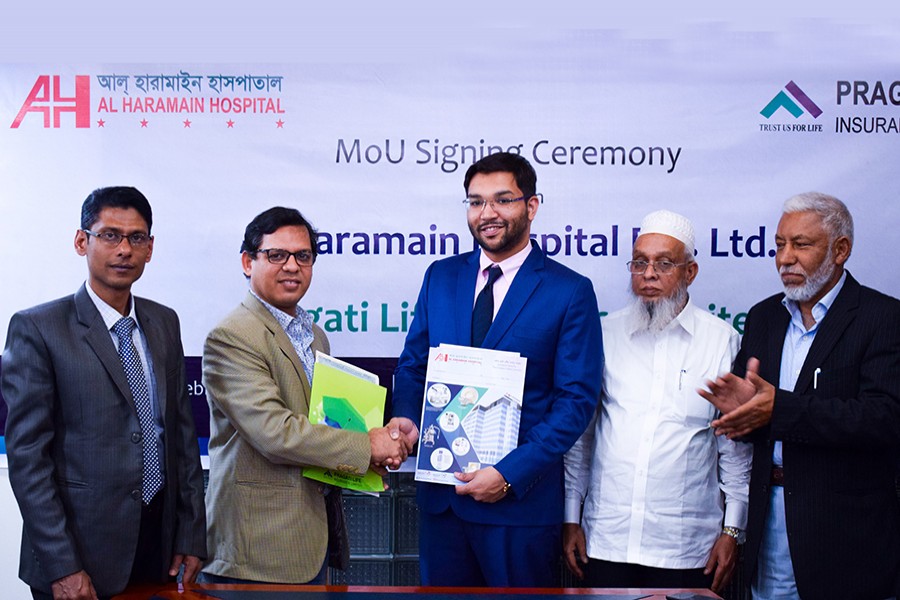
477	203
662	267
277	256
138	239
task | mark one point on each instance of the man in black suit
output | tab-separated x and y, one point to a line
816	386
103	455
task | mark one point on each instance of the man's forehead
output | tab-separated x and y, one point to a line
657	244
114	218
294	233
498	182
801	224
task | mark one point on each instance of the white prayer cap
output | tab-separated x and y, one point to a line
671	224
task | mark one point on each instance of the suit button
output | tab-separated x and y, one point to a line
136	437
136	495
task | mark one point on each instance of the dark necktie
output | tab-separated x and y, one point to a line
134	371
483	313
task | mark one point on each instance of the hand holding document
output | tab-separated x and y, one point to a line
346	397
471	410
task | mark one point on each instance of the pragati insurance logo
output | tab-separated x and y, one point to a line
144	100
795	102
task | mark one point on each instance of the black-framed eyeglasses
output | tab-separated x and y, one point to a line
277	256
663	267
477	203
138	239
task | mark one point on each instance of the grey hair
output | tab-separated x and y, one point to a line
835	216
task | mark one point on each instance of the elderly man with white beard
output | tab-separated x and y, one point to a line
653	498
816	388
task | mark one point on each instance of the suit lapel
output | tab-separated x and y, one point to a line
465	299
837	319
98	338
156	342
281	339
523	286
775	345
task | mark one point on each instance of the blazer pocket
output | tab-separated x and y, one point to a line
536	334
836	380
251	469
534	343
264	484
71	483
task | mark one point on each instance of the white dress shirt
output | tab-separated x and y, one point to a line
654	478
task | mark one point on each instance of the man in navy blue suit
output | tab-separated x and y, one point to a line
501	525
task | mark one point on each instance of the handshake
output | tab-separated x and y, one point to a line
391	444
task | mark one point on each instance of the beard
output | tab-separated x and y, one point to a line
515	231
813	283
654	315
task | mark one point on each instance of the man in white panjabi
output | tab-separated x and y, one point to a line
653	497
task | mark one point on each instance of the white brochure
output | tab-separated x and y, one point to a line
471	410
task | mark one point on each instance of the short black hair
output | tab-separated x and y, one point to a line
114	197
506	162
271	221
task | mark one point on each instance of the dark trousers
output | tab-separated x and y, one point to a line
454	552
149	559
606	574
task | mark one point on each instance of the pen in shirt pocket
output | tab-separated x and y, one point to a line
681	378
816	377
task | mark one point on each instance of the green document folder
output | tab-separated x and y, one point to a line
345	397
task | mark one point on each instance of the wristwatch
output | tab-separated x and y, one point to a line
738	534
506	487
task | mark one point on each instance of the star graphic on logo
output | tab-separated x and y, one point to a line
101	123
230	124
187	122
280	124
144	122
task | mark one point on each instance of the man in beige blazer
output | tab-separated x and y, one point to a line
266	522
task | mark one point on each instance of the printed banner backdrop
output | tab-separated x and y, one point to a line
719	124
685	90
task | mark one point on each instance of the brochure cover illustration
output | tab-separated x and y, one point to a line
346	397
471	410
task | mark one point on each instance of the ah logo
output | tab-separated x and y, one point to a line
46	96
782	100
441	357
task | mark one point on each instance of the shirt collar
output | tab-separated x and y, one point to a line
303	318
821	307
109	314
685	319
507	265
